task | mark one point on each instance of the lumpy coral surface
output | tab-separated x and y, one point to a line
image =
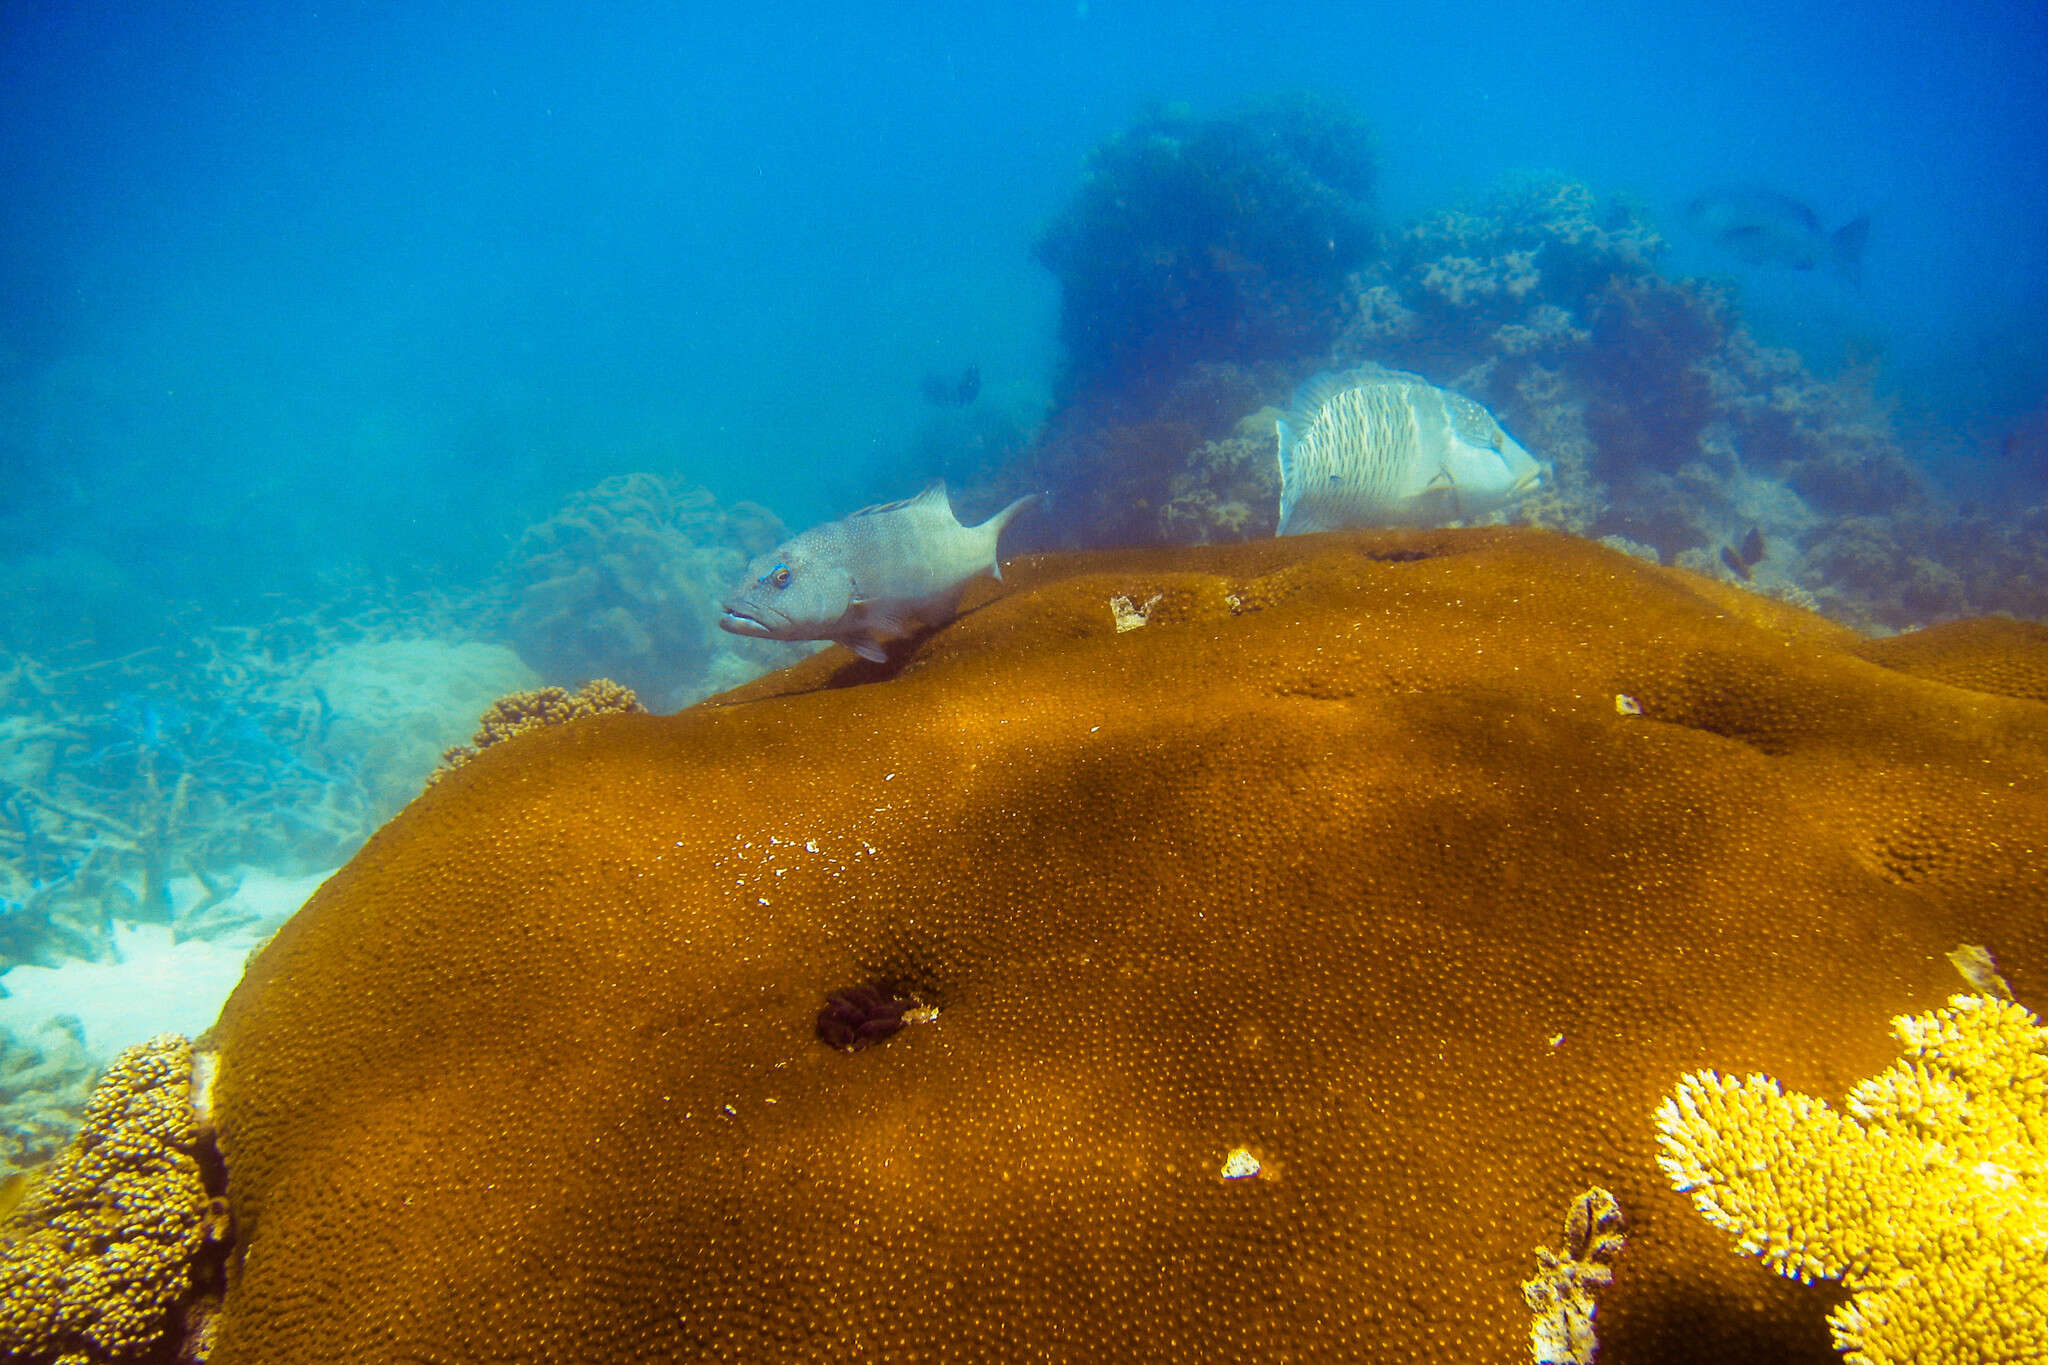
1283	965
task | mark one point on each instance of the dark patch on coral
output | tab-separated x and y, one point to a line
856	1017
1782	1323
195	1319
1397	556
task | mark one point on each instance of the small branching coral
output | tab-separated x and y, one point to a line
523	711
1562	1294
1928	1197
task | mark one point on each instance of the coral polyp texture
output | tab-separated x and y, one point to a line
1926	1194
1290	963
96	1256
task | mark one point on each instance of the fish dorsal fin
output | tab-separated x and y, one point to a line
1316	392
933	492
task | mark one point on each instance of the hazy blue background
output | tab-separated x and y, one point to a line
287	289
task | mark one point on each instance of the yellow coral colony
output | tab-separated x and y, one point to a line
1928	1197
98	1253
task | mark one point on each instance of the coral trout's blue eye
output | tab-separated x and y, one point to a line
777	577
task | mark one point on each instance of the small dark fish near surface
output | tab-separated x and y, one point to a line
953	390
1766	228
869	578
1741	561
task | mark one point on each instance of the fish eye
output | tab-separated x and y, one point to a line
777	577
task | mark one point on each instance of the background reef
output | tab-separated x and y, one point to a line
1668	426
162	812
1196	239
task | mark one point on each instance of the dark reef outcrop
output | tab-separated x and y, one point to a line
1209	239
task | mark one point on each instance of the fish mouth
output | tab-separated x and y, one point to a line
739	623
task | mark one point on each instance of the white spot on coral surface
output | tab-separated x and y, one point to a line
1129	616
1240	1164
205	1070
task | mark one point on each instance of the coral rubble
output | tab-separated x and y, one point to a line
1294	959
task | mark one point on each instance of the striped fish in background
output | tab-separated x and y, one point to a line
1380	447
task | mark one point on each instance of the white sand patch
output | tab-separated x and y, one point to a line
394	705
160	984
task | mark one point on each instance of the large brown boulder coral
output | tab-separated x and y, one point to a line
1260	981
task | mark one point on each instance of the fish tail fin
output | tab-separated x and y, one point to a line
1845	246
993	528
1289	490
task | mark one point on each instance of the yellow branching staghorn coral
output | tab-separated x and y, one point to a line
97	1255
1928	1196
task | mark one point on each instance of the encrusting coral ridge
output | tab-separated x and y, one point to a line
1926	1194
1283	968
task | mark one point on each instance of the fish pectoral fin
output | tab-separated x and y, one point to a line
885	620
1438	500
870	650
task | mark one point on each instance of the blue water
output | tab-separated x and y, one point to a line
292	291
